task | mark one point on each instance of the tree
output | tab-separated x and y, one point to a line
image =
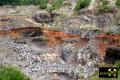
112	3
94	4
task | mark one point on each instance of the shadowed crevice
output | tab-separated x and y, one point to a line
112	54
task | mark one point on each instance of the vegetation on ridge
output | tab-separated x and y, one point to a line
104	5
41	3
81	4
55	5
118	3
11	73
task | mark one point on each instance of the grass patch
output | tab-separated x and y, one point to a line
81	4
118	3
11	73
67	3
43	4
57	4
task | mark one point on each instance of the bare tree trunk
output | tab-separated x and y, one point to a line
92	4
113	3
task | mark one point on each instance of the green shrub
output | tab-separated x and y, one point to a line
81	4
11	73
104	5
9	2
57	4
67	4
43	4
118	3
24	2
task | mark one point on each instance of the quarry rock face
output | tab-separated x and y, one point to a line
86	20
45	53
70	51
20	10
60	60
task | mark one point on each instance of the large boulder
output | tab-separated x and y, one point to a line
45	17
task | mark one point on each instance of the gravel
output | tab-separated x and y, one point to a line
41	63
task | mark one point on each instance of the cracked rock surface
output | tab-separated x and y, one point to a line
44	63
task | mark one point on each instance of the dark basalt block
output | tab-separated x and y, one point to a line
112	55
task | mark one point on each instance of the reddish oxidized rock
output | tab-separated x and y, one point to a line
55	38
104	40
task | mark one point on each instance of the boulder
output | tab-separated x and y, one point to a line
45	17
